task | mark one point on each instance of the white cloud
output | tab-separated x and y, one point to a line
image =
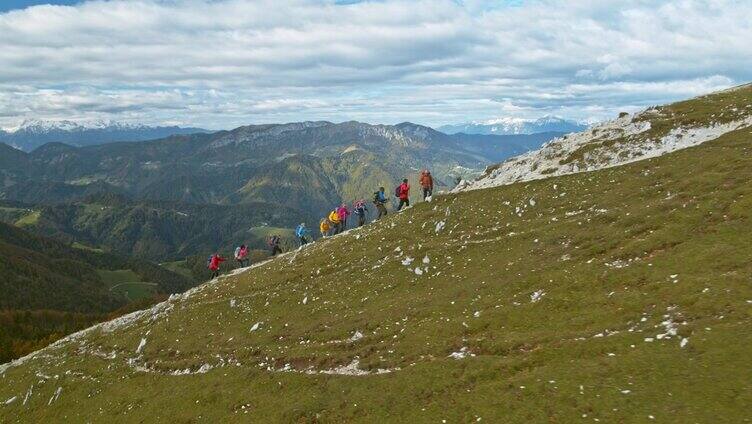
230	62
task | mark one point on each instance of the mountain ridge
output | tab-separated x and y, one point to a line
628	138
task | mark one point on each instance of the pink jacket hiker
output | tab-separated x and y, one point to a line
343	213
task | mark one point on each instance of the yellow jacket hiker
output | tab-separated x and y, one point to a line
335	222
324	227
334	217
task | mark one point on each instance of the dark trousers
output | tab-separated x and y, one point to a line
427	192
361	220
276	250
242	262
403	202
215	273
382	210
303	241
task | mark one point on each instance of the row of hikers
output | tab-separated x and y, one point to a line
335	222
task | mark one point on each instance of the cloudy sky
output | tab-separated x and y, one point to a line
224	63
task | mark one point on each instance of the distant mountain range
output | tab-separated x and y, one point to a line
138	198
509	126
34	133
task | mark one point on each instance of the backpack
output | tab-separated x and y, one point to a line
376	197
208	261
398	191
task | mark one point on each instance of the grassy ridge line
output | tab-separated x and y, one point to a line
629	138
549	289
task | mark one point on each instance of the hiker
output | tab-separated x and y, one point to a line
379	199
426	181
343	213
273	242
360	209
214	261
324	227
334	220
403	192
300	233
241	255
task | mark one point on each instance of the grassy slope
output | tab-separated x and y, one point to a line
129	283
617	252
178	267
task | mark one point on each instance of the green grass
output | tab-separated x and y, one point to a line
715	108
78	245
30	218
264	232
128	283
179	267
619	253
134	291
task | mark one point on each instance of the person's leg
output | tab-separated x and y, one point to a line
425	193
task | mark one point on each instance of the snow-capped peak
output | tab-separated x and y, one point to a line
517	125
507	120
41	126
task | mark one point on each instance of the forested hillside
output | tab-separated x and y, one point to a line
155	231
50	289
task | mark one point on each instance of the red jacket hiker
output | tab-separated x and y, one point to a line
215	261
404	191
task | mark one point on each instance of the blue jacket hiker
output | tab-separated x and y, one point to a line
301	233
379	199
